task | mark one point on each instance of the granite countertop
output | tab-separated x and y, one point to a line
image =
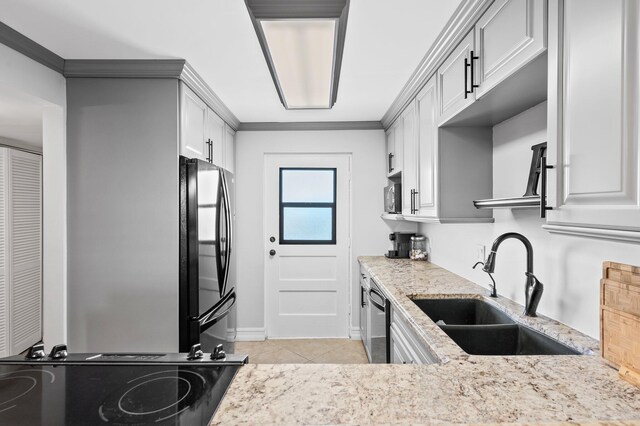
462	388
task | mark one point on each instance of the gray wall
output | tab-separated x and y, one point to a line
122	157
369	233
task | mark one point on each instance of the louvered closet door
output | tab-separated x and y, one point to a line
4	279
25	258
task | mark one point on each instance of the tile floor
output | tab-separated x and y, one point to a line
304	351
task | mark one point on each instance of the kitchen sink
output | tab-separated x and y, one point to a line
505	339
462	311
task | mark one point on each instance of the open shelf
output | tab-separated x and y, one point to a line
426	219
509	203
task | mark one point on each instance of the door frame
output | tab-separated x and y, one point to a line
266	157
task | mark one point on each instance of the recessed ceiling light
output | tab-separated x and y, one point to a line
302	41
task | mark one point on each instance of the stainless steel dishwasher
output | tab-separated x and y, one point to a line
379	316
364	313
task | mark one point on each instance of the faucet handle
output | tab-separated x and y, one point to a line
494	291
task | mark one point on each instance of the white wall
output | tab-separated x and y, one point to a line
569	267
23	75
369	232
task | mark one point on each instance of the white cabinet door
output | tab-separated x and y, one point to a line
229	149
193	115
390	134
398	146
452	80
508	36
25	249
410	159
597	151
214	140
395	148
427	117
400	354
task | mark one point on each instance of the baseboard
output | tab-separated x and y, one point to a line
250	334
354	333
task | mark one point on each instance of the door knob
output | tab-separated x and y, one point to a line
272	252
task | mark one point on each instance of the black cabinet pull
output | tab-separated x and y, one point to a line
415	202
543	187
473	84
466	67
208	142
390	160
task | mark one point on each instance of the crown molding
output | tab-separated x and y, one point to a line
192	79
460	23
123	68
151	68
29	48
310	125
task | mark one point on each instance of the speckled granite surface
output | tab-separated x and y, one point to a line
461	389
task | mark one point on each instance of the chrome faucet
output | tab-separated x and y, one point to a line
533	288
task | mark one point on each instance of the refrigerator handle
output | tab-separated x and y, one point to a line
229	230
212	316
218	243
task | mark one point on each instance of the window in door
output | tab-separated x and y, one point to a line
307	205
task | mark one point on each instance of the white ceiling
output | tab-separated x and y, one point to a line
385	41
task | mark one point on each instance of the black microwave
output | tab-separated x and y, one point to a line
393	198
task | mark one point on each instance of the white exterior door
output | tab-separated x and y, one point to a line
307	245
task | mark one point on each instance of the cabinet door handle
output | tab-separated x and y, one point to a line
466	67
415	202
390	160
473	84
543	187
211	151
208	142
412	201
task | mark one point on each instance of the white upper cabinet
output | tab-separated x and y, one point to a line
214	138
453	80
507	37
229	148
427	154
193	116
410	159
496	58
203	134
593	126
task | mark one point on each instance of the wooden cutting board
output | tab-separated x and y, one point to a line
620	318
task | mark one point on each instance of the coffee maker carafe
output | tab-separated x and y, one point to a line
401	245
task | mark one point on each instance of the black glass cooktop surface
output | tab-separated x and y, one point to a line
111	394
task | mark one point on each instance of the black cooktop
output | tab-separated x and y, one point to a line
41	393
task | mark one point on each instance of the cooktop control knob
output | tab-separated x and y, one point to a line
195	352
36	351
218	353
58	352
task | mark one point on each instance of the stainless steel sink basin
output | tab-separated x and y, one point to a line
505	339
462	311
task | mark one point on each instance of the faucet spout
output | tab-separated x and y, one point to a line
533	287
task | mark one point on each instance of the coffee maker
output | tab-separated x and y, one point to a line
401	245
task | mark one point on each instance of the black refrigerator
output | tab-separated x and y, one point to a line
207	277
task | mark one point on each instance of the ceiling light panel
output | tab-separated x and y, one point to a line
302	52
